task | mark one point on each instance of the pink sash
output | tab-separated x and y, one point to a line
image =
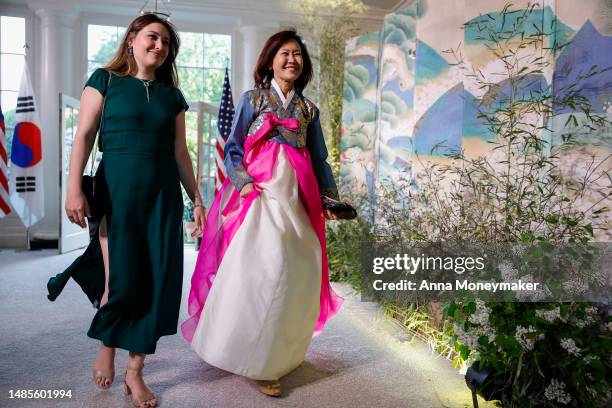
222	223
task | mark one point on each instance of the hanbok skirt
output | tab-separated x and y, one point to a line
262	308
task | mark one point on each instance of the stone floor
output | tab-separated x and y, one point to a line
360	360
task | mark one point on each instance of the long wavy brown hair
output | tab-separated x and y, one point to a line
124	64
263	73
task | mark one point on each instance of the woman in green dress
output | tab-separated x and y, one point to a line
139	243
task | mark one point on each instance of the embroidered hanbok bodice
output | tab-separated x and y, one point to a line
249	117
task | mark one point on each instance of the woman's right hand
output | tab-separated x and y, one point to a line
77	208
246	190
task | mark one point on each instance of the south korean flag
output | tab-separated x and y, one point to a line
27	195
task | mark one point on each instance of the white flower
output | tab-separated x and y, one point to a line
481	315
588	359
538	295
480	318
590	317
570	346
468	338
577	286
591	314
555	392
550	315
490	333
581	324
526	343
508	271
609	326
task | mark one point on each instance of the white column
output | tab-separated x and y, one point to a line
55	48
253	39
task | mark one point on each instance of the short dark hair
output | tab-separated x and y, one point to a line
263	74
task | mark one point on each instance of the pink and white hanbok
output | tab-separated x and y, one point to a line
260	288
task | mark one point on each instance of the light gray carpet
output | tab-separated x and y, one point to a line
360	360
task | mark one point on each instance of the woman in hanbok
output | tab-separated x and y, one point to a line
260	288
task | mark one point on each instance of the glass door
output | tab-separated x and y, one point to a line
71	235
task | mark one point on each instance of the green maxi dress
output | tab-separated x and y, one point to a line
143	208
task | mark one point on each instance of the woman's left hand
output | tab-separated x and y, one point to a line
199	216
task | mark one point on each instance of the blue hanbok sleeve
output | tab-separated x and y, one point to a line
234	147
315	142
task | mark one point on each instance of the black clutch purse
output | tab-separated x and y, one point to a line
93	192
343	211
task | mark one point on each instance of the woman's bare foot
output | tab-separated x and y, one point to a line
104	367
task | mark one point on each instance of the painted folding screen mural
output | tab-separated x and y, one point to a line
395	97
359	115
427	107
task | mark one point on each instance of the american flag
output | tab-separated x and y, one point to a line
224	124
4	187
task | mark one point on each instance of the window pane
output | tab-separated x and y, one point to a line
191	133
218	50
120	33
190	82
213	85
214	130
12	69
13	34
69	135
208	170
91	67
9	102
191	52
102	42
191	124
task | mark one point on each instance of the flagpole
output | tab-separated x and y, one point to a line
26	47
28	228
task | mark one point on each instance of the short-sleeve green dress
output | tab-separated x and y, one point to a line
143	209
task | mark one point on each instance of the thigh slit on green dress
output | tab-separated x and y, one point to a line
143	208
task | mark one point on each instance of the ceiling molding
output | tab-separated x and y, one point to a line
268	10
234	12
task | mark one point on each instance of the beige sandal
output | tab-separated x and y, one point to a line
270	388
145	401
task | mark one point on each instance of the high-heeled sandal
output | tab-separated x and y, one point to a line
149	401
270	388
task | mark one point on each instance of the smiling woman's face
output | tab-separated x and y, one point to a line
287	63
151	46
